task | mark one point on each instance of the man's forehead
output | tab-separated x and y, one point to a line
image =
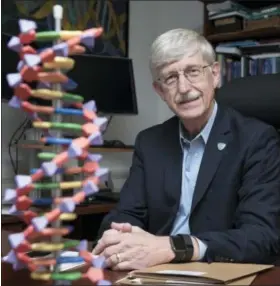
188	60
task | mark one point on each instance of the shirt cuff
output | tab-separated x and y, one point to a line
202	249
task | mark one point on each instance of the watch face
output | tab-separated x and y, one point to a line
178	248
179	244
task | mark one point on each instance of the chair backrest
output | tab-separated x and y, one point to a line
255	96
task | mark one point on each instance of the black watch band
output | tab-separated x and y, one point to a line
182	247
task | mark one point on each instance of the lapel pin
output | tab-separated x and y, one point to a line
221	146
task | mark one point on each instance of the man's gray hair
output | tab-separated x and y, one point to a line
173	45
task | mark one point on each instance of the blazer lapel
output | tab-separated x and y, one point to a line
173	166
215	148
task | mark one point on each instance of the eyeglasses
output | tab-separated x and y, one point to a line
192	74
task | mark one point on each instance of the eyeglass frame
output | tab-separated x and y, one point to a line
201	68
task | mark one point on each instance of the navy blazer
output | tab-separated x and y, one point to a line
236	203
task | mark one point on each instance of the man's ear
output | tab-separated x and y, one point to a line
216	71
158	89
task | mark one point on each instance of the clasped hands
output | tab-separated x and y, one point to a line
127	247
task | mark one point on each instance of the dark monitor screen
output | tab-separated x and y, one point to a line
109	81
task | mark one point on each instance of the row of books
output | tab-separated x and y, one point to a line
232	68
248	58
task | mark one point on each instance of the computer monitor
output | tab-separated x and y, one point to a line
109	81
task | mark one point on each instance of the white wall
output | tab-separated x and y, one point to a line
147	20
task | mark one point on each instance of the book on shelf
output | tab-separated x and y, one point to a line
230	13
231	8
264	12
239	60
226	9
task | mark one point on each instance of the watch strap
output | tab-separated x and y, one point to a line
182	247
189	247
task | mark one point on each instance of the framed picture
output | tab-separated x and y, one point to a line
112	15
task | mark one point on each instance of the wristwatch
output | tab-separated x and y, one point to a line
182	247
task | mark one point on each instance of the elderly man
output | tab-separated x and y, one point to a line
204	185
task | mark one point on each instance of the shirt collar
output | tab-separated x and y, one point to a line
205	132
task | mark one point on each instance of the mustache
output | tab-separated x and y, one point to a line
180	98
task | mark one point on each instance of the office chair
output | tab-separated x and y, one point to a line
254	96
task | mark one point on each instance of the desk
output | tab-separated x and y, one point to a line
10	278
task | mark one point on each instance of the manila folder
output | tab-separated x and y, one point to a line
198	272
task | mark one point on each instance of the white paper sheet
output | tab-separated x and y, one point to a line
5	210
177	282
67	266
181	273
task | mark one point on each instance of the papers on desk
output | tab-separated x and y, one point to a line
196	273
68	266
5	210
181	273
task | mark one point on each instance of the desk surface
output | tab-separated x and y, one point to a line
22	277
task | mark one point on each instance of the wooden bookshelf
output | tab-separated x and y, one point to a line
261	31
254	34
272	32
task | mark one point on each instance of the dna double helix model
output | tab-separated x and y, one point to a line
44	232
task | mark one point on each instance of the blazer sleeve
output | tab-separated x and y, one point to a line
132	207
255	235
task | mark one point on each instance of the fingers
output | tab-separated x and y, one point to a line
125	265
123	227
111	250
113	260
110	237
121	256
137	229
122	260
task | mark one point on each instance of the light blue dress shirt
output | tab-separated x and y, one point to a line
192	155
